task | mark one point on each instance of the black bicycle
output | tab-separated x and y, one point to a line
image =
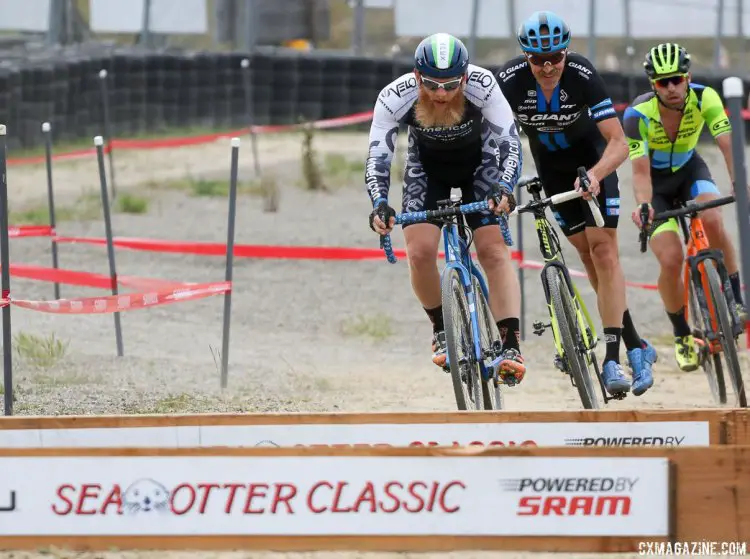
710	305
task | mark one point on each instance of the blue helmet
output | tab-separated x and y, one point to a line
441	56
531	37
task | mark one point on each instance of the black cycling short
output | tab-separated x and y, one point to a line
671	189
575	215
427	184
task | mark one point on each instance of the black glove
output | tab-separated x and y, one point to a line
384	212
500	190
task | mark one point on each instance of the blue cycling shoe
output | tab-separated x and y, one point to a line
614	380
641	360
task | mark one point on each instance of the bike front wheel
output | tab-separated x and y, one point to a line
728	340
491	345
463	365
563	309
710	362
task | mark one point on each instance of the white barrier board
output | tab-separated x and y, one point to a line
333	495
579	434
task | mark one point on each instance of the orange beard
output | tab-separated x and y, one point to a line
431	115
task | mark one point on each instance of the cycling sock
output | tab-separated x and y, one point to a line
436	317
736	287
612	338
510	333
679	324
629	333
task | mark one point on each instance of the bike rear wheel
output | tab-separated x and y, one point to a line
489	337
460	343
710	362
728	340
570	337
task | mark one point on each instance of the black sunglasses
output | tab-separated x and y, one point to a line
538	60
433	85
676	80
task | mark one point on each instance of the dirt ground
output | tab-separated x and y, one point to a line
305	335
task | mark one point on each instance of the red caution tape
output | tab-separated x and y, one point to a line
30	231
126	301
87	279
245	251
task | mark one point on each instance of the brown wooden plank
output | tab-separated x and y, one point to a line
168	420
337	543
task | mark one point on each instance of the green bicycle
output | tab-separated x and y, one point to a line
572	328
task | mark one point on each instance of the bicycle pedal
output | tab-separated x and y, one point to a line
540	327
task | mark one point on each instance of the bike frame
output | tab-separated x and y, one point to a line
553	257
458	257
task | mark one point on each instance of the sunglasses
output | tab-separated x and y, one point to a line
432	85
538	60
676	80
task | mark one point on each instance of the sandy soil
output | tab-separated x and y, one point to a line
293	346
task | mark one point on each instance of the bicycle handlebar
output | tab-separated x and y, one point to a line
563	197
690	208
419	217
694	207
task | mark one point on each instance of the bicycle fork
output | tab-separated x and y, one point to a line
697	277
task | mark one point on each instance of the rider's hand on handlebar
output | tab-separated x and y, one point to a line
593	189
501	201
636	216
381	214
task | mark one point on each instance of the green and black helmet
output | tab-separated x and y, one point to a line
666	59
441	56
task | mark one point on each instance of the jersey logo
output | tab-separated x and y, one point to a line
482	78
531	93
580	68
511	71
563	95
722	124
401	87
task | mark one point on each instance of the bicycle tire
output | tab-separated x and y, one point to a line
728	341
711	363
492	396
457	323
569	333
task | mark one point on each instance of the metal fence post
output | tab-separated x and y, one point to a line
733	93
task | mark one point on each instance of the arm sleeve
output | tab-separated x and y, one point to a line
635	125
712	110
382	142
501	146
599	102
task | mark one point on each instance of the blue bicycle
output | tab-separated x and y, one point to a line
472	338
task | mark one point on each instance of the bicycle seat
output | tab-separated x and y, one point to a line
532	184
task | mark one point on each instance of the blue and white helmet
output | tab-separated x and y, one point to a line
441	56
555	38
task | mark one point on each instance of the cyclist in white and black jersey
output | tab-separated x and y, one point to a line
461	135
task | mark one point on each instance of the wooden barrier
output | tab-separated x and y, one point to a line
705	490
506	428
738	427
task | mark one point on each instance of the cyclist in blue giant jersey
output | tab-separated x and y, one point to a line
562	105
461	135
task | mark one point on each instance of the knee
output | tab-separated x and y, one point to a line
670	260
603	254
421	255
712	222
494	255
